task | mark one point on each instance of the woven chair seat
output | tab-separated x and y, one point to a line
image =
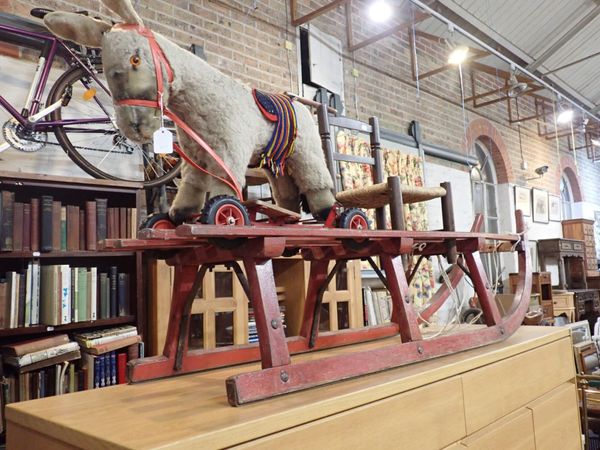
378	195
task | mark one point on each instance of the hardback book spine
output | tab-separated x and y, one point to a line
49	295
122	223
91	232
65	294
122	368
46	223
34	345
21	299
72	228
110	223
114	312
35	293
99	371
74	293
17	227
35	224
134	223
95	342
82	312
101	218
128	223
72	378
56	234
4	304
63	228
113	367
6	230
93	290
82	229
14	299
123	293
28	293
104	296
27	227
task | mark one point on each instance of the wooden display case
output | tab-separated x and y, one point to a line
541	284
570	257
583	230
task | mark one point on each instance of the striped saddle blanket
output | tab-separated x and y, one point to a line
277	108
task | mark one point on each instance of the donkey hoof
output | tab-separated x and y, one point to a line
179	216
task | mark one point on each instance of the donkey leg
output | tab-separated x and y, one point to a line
307	166
191	192
285	192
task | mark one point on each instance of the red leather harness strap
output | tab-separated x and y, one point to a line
160	60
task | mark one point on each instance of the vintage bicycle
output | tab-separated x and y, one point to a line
78	111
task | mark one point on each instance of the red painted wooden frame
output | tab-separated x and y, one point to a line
320	246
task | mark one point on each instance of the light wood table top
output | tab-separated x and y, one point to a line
191	411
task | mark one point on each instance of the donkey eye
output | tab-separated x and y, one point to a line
135	61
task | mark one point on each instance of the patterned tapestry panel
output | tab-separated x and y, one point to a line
410	170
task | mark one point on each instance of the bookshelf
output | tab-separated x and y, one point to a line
222	304
111	281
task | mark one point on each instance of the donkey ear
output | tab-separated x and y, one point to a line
124	9
77	28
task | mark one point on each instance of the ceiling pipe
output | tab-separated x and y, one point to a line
523	70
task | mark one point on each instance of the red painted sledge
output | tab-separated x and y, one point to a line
196	251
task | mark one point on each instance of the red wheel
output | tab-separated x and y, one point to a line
159	221
358	222
229	214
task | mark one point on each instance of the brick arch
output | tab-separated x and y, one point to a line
569	169
483	130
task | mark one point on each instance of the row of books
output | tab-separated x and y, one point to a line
55	365
58	294
253	331
377	306
47	225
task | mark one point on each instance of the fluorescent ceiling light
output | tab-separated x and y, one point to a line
459	55
596	142
380	11
565	116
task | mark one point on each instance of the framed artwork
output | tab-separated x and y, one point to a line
554	210
540	205
523	200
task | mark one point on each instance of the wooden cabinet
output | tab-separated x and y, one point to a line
570	257
564	303
220	311
587	305
541	284
509	395
583	230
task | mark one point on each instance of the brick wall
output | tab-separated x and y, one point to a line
250	45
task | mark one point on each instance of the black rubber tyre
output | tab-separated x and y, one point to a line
225	210
354	218
469	314
158	170
159	221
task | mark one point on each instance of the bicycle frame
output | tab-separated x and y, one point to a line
50	48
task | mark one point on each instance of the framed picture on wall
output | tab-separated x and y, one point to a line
554	209
540	205
523	200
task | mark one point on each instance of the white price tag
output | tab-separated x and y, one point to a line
163	141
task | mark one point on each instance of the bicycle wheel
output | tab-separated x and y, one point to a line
98	147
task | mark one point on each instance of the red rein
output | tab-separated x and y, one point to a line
159	58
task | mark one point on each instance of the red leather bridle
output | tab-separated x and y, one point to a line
160	60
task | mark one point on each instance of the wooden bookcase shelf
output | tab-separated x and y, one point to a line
76	192
74	326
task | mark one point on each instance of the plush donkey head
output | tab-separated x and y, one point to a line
128	63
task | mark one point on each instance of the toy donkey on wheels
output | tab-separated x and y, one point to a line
150	77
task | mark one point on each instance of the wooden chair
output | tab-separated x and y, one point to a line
383	192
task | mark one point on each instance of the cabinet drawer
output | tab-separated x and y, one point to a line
563	300
566	245
592	264
588	229
577	245
547	308
544	277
